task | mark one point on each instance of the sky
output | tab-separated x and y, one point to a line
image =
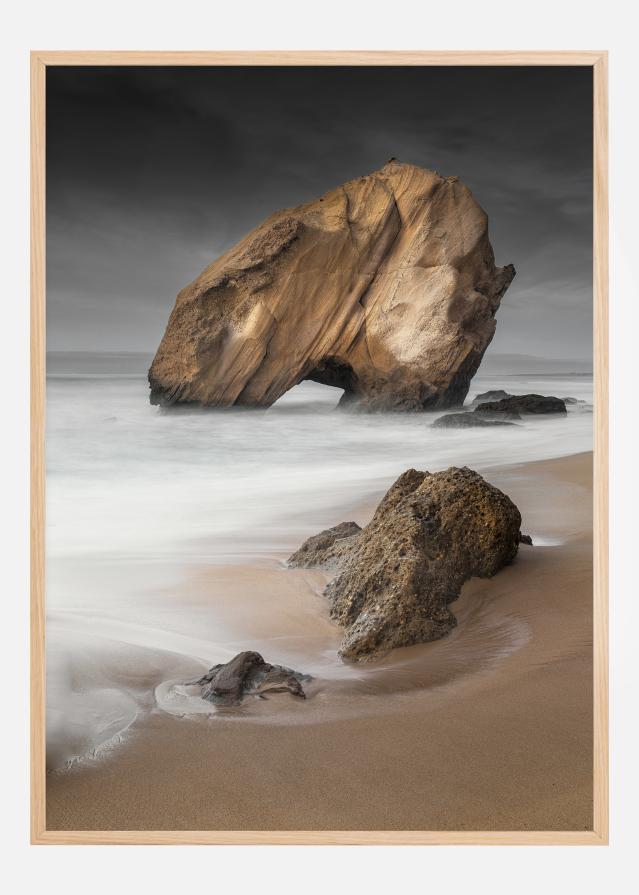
154	172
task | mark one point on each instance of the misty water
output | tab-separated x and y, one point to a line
143	506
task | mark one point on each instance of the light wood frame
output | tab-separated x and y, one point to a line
598	60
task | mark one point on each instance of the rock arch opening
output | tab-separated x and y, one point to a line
336	373
310	395
331	382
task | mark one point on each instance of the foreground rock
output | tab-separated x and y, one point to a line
429	534
467	420
247	674
385	287
533	404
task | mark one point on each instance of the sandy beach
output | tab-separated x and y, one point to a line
490	728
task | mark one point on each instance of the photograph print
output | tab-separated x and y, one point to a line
319	448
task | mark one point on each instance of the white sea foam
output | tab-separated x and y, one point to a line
135	495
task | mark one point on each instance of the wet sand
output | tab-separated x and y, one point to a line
489	729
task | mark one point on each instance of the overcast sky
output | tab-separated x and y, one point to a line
154	172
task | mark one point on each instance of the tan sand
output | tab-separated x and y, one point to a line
503	743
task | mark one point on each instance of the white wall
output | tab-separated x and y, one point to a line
125	24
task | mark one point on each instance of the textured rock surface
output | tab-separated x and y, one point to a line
523	404
429	534
247	674
467	421
325	548
385	287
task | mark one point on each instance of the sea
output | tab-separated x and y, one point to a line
167	531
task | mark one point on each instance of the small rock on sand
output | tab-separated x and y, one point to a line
247	674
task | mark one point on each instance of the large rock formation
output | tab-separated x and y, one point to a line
385	287
397	577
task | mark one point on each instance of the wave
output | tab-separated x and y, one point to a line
165	533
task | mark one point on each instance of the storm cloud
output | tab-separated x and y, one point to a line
153	172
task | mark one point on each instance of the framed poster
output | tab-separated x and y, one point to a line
319	547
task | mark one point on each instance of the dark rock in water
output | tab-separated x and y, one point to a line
524	404
467	420
500	415
429	534
525	539
247	674
325	548
495	395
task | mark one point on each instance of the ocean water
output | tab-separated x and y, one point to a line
153	515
